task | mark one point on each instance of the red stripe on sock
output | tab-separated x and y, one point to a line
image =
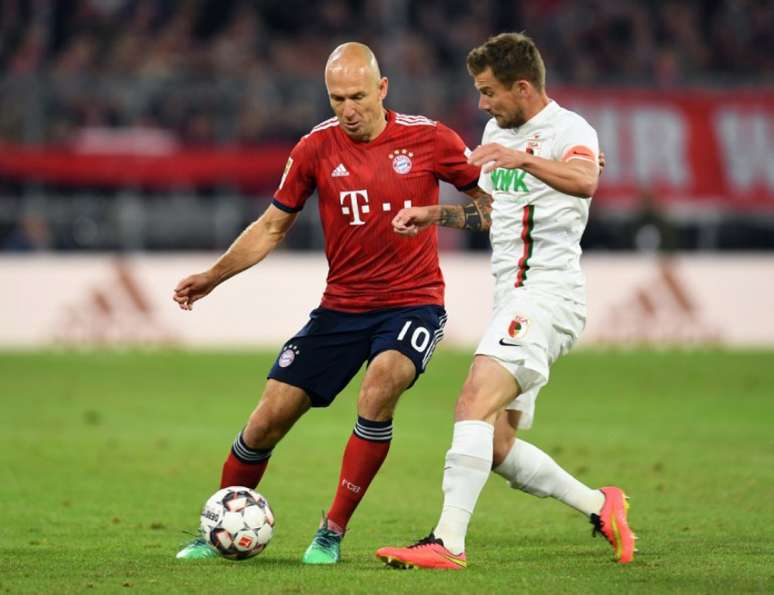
238	473
361	462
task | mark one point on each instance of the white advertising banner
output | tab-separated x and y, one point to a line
723	300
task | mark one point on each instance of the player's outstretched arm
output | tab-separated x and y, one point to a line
251	247
577	177
475	216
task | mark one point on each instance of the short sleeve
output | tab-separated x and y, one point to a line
298	181
577	140
451	160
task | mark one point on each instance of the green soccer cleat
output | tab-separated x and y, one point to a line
325	547
198	549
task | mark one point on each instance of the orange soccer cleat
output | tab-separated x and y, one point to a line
425	553
611	522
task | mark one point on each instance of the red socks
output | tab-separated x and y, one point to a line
239	473
244	466
365	452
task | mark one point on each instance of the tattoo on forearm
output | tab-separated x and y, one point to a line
481	217
485	207
475	216
452	216
472	217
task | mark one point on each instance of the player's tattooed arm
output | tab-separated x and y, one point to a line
482	202
452	216
475	216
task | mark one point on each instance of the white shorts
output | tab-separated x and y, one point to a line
527	333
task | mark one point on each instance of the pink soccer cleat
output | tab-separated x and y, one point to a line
611	522
425	553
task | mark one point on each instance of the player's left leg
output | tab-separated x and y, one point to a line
529	469
402	341
388	375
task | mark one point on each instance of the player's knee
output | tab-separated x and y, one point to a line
377	402
475	402
379	394
261	432
487	390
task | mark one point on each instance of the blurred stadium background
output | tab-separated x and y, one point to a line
137	138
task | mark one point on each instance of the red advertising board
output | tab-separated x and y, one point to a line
252	169
688	148
701	148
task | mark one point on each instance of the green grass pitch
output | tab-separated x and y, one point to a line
106	459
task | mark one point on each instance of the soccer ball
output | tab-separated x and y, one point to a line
238	522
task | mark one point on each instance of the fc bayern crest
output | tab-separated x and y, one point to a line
288	356
518	327
401	161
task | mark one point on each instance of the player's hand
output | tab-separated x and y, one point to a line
494	155
193	288
601	162
409	222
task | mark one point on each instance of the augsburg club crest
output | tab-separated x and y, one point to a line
518	327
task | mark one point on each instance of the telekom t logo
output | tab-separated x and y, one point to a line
354	202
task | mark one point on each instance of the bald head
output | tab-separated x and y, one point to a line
356	90
353	57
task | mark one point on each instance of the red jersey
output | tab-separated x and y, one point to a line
361	186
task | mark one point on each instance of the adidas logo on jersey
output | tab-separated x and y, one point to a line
339	171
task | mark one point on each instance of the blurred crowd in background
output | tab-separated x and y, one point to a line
121	62
215	72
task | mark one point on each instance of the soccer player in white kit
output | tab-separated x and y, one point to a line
540	163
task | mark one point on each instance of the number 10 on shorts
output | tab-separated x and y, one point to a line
420	337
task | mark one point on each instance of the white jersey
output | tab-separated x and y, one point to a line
536	230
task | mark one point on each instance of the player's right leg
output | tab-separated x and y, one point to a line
280	407
488	388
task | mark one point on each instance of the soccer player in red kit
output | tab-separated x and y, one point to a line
383	303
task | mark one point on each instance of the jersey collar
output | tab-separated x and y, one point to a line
383	135
540	118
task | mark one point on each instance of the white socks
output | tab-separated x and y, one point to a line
526	467
529	469
468	463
